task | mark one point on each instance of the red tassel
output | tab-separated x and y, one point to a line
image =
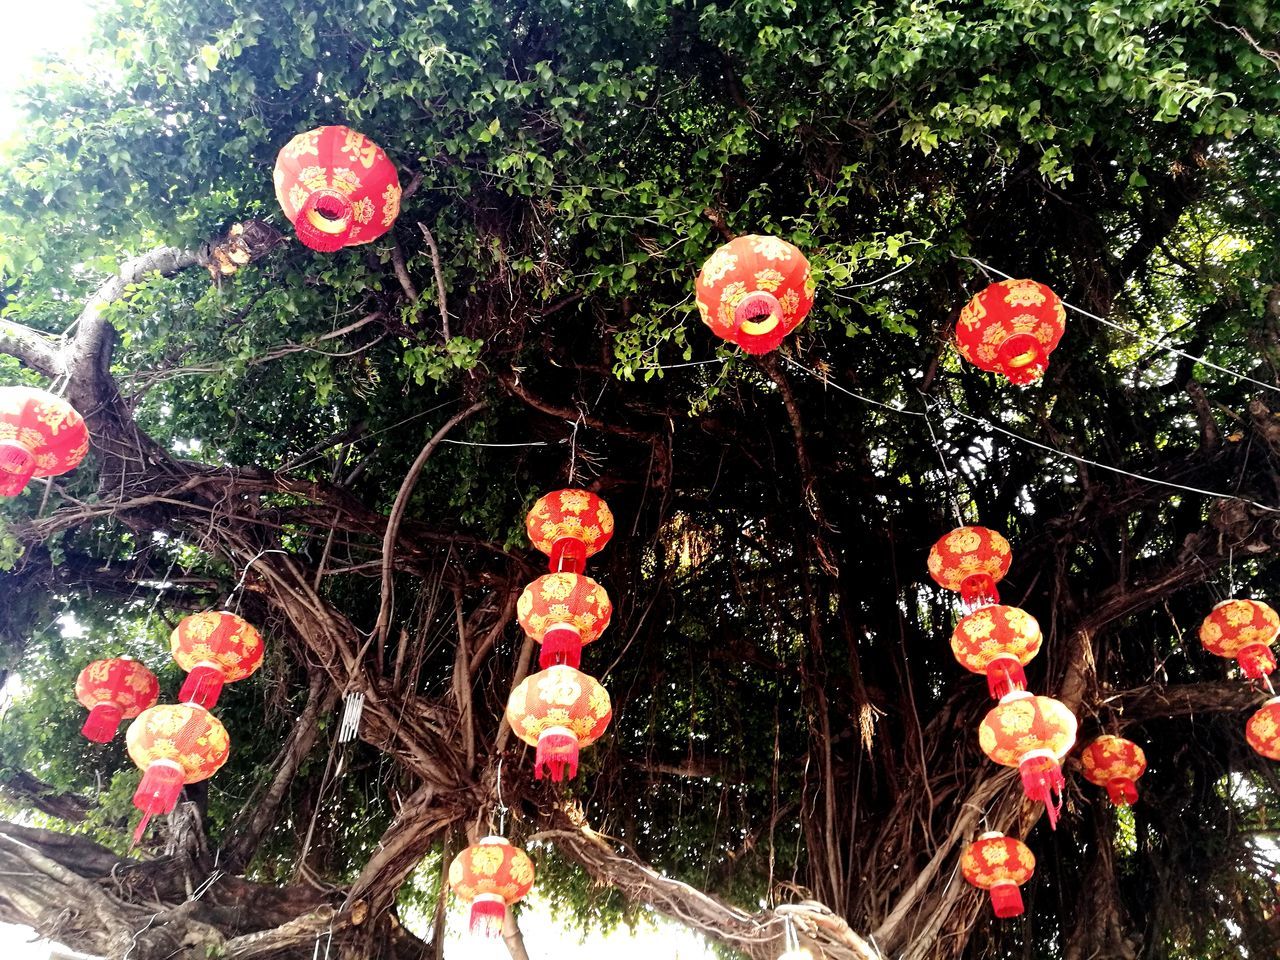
568	556
1006	900
158	791
1005	675
103	722
17	467
1122	792
977	591
557	749
324	221
1257	661
203	685
488	913
561	644
1042	781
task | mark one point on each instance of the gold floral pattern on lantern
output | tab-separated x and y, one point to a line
1019	725
223	639
1263	730
993	632
180	733
1010	328
121	682
1236	624
570	515
559	696
492	867
564	598
966	552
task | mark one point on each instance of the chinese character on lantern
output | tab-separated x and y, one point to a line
559	711
755	290
490	875
1244	629
569	526
215	647
1010	328
1115	763
971	561
562	612
999	641
173	744
1031	734
114	690
999	865
41	435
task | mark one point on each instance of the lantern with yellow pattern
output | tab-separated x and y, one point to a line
1263	730
1244	629
1031	734
490	875
1115	763
1010	328
999	641
569	526
114	690
755	290
41	435
559	711
971	561
999	865
563	612
173	744
215	647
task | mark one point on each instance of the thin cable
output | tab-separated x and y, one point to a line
831	383
475	443
946	469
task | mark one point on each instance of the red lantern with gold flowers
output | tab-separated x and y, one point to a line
114	690
41	435
337	188
559	711
569	526
1115	763
215	647
563	611
491	875
999	641
755	290
1031	734
971	561
999	865
173	744
1010	328
1244	629
1263	730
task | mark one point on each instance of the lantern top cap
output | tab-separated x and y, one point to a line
1270	702
1013	695
991	835
494	841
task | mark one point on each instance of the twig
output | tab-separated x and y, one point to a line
435	264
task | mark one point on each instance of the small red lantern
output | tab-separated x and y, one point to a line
999	641
970	561
1010	328
559	711
1244	629
491	875
1263	730
563	611
337	188
1032	734
569	526
114	690
1115	763
41	435
214	647
173	744
999	865
755	290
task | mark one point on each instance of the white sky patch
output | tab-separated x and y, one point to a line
31	30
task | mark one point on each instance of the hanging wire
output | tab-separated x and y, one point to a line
502	807
952	493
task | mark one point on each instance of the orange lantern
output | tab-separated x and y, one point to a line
41	435
569	526
755	290
491	875
1010	328
999	865
559	711
1032	734
173	744
563	611
114	690
214	647
1244	629
1263	730
970	561
999	641
337	188
1115	763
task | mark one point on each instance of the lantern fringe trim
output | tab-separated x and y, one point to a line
158	792
561	644
1257	661
102	723
1042	781
978	591
487	915
324	221
557	751
1006	899
1005	676
203	685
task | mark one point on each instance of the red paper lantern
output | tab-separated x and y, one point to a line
173	744
1244	629
1115	763
40	436
214	647
999	641
559	711
1010	328
563	611
999	865
337	188
755	290
971	561
491	875
114	690
1263	729
569	526
1032	734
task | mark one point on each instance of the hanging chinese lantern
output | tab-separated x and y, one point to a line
492	875
999	641
1263	730
970	561
569	526
1244	629
755	290
214	647
1010	328
173	744
563	611
999	865
114	690
1032	734
1115	763
41	435
337	188
559	711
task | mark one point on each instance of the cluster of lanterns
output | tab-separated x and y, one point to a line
1244	630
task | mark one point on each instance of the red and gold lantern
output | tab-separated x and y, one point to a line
214	647
337	188
559	711
491	875
755	290
569	526
1263	730
563	612
999	865
41	435
1244	629
1010	328
114	690
999	641
1115	763
1031	734
173	744
971	561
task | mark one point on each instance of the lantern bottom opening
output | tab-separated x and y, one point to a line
1021	358
1122	791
